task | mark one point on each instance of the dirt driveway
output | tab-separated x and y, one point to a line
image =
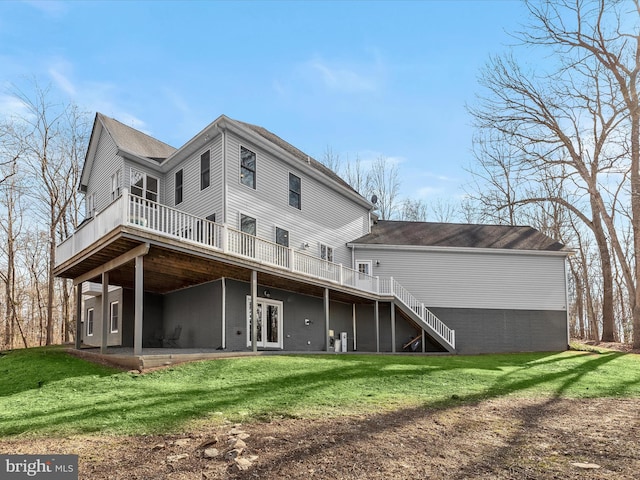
494	439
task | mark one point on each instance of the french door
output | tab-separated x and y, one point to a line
364	280
269	323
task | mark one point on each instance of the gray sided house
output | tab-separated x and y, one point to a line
184	248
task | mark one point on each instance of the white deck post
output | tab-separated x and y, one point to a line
292	259
78	342
354	327
138	305
326	320
225	238
340	274
254	310
376	315
105	313
393	327
391	285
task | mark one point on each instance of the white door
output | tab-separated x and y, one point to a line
269	325
364	280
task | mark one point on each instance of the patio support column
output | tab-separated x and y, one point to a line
78	316
354	327
254	310
327	341
138	306
223	316
376	313
393	327
105	312
424	347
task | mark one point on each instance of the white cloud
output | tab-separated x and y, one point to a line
61	79
344	78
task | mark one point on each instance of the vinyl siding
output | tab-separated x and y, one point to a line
201	203
326	216
475	280
107	163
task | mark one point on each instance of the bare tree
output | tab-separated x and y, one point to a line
357	176
565	129
384	183
603	33
332	160
53	135
414	210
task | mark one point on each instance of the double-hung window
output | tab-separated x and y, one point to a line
247	167
114	317
295	191
179	186
91	205
247	242
326	253
205	169
90	322
247	224
116	185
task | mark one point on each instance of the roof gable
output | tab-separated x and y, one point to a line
454	235
133	141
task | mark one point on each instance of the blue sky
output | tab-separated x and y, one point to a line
363	78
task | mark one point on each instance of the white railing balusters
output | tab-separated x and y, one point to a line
145	214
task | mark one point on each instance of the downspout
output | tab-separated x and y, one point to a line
566	293
223	302
224	175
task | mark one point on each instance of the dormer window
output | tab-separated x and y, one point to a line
247	167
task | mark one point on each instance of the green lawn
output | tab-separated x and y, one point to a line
44	391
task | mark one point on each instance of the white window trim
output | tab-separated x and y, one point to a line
91	205
320	245
289	190
116	184
145	177
266	301
111	316
255	169
275	235
93	318
200	166
240	214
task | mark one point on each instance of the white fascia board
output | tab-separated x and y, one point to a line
425	248
293	161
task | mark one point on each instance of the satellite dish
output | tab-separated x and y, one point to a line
374	199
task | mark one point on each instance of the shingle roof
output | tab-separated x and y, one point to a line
303	157
389	232
134	141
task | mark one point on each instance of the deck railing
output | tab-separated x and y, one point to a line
164	220
403	295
